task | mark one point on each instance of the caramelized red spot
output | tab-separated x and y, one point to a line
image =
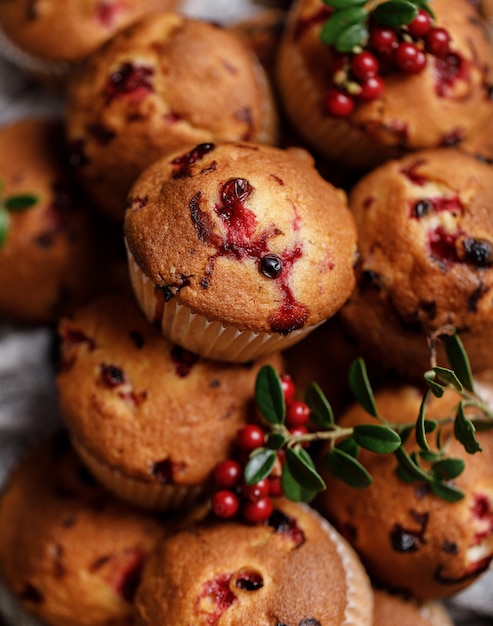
106	13
184	360
172	118
129	79
215	599
132	397
112	376
166	470
287	526
413	175
483	514
183	163
453	137
127	577
448	71
442	245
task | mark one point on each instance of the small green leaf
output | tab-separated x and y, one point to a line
459	361
350	37
447	469
344	4
292	489
339	21
20	202
275	441
349	446
302	469
348	469
405	432
395	13
404	475
430	456
379	439
361	388
4	226
420	430
436	388
446	492
259	465
410	467
269	395
464	430
321	411
448	377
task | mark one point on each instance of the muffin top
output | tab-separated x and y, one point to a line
294	570
245	234
70	30
143	405
165	82
71	553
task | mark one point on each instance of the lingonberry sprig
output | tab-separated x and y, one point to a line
12	203
273	458
367	43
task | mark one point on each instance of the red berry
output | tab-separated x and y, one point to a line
257	512
438	42
364	65
338	103
371	88
409	58
250	437
288	388
256	491
297	413
275	486
298	430
383	40
224	503
420	25
227	473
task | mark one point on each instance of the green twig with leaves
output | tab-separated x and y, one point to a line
13	203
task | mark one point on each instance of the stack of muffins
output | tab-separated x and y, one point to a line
177	248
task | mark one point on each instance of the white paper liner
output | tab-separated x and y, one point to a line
193	331
151	496
11	610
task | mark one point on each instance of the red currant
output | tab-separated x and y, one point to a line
371	88
364	65
421	24
227	473
438	42
224	503
256	491
288	388
409	58
383	40
257	512
275	486
297	413
298	430
338	103
250	437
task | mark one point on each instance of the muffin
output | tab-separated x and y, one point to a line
409	539
165	82
48	38
48	257
390	609
424	239
70	554
437	102
150	419
237	250
293	570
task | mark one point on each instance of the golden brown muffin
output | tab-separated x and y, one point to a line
390	609
426	253
237	250
69	552
47	261
294	570
46	37
409	539
439	106
151	419
165	82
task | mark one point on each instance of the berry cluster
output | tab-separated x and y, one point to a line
357	75
253	501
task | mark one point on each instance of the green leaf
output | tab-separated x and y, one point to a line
420	430
321	411
436	388
350	37
448	377
275	441
361	388
430	456
459	361
349	446
395	13
464	430
339	21
405	432
447	469
259	465
303	470
4	226
344	4
20	202
292	489
379	439
410	467
404	475
348	469
446	492
269	395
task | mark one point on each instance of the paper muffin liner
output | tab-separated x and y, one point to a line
152	496
12	612
193	331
